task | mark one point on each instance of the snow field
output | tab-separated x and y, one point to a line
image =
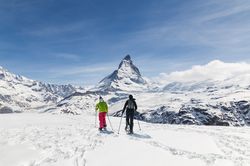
32	139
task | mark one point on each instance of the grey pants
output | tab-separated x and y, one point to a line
130	119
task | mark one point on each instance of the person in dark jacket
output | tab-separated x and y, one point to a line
130	107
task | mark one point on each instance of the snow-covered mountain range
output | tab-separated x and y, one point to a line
22	94
214	94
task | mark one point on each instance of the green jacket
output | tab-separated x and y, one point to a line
102	106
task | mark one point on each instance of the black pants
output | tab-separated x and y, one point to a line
130	119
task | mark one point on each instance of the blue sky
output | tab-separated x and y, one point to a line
81	41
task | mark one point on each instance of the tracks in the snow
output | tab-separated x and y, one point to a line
70	142
57	144
235	148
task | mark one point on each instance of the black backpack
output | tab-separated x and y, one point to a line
131	104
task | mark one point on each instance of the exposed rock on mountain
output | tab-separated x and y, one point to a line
126	78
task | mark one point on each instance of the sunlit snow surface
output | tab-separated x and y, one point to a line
32	139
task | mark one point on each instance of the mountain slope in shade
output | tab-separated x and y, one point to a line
21	93
126	78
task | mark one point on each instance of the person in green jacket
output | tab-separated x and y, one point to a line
103	109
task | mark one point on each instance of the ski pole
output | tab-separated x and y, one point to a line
95	117
139	124
120	124
110	122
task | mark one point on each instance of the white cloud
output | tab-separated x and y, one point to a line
67	56
87	70
82	70
221	27
214	70
58	29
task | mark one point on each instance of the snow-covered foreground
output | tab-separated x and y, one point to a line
32	139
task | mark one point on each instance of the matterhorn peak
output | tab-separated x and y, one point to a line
127	57
127	67
127	60
126	77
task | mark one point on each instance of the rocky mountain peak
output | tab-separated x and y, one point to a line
127	57
127	68
126	62
127	76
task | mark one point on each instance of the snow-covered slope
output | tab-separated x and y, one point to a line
21	93
214	94
31	139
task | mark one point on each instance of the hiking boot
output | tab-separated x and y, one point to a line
100	129
130	132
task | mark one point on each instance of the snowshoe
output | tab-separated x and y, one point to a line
100	129
106	132
130	132
126	129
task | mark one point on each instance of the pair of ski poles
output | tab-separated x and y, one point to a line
108	120
121	123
